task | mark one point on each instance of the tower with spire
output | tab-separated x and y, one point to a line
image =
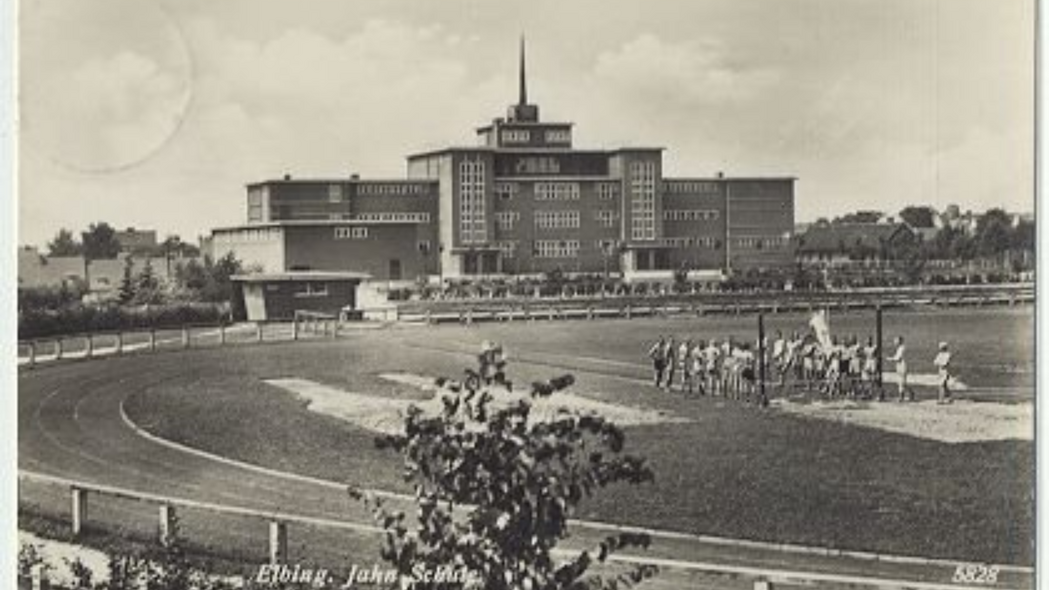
521	128
523	112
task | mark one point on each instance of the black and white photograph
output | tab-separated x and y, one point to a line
524	295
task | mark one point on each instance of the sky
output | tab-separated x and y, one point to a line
156	113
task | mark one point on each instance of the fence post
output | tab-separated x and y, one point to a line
294	328
78	509
32	353
152	339
167	524
258	331
185	337
278	542
58	349
38	577
120	343
89	346
222	334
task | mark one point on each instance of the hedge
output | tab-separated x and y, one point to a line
76	319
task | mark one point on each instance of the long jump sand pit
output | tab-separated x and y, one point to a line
959	422
386	415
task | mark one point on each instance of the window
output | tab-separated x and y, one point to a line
505	220
507	248
516	136
606	191
311	289
423	246
558	136
607	247
334	193
556	248
606	217
472	227
351	233
557	191
643	200
568	219
506	191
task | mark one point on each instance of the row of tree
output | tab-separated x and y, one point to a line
99	242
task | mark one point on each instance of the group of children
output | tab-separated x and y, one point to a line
728	368
848	367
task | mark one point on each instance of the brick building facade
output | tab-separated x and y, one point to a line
523	201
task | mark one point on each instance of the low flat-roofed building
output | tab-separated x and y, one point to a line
277	296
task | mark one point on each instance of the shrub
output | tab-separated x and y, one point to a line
495	489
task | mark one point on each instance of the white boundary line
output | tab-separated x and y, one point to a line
595	525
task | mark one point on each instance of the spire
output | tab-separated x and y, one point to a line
523	96
522	112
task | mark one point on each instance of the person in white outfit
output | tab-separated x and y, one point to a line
900	358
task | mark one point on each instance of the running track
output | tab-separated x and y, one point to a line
72	426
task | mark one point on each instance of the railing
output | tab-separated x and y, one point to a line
277	539
468	312
125	342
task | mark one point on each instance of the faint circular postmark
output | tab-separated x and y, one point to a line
104	85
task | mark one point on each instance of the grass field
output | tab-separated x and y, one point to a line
731	470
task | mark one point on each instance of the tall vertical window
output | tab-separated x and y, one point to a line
643	200
471	201
334	193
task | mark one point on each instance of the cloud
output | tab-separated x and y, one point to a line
688	71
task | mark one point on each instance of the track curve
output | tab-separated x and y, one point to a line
72	426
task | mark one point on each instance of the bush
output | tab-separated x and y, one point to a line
76	319
514	481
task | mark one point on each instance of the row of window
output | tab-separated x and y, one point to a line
524	136
760	242
643	200
393	217
472	227
369	188
351	233
556	248
311	289
557	191
691	187
690	214
692	242
568	219
263	234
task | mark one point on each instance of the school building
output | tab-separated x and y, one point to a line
522	201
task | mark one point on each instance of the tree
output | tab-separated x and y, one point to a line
64	244
916	216
100	241
127	284
495	488
993	232
147	287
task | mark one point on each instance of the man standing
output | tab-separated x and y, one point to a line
658	355
943	364
901	369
